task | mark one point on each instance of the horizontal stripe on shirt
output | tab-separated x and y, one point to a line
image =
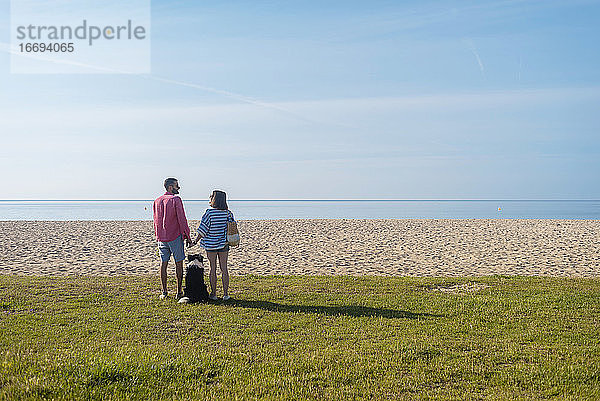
213	228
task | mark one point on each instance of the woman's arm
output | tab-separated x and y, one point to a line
203	228
200	235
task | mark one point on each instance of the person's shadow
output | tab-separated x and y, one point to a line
351	310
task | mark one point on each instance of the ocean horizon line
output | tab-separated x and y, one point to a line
311	200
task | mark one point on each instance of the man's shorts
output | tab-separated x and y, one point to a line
175	247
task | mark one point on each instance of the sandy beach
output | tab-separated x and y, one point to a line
319	247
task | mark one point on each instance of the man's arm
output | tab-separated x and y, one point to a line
184	228
154	220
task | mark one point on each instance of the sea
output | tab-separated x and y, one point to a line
52	210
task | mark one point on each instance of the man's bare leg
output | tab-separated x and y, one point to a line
179	273
163	276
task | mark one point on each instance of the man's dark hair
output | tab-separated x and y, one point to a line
170	181
219	200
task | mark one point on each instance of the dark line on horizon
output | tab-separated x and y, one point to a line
310	200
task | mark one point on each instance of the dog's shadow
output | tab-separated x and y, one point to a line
350	310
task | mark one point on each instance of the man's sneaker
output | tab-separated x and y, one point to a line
226	298
213	297
179	295
163	295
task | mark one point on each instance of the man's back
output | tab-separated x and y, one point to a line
169	218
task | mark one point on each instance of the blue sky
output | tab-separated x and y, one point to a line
333	100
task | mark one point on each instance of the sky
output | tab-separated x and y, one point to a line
321	100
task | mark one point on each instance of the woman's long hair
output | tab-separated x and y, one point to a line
218	200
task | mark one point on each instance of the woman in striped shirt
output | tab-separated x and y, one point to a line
212	234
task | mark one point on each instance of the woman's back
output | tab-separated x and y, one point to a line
213	228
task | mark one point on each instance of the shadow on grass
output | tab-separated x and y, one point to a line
353	310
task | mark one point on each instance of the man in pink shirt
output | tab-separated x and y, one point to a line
171	228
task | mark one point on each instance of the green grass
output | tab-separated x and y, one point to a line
297	338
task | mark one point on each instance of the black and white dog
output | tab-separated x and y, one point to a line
195	289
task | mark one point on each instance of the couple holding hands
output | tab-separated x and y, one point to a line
171	229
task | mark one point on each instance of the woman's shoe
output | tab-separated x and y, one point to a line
213	297
226	298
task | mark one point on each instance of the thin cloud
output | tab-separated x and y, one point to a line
471	46
232	95
427	15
